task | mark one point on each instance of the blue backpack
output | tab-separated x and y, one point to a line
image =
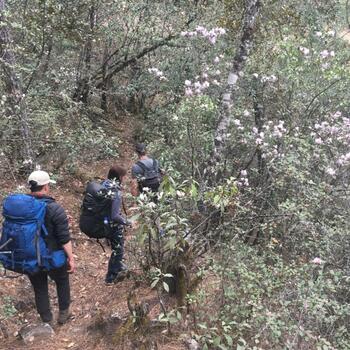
22	245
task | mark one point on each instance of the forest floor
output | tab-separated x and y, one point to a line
97	308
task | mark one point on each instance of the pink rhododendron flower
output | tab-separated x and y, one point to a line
317	261
188	92
206	84
324	53
330	171
304	50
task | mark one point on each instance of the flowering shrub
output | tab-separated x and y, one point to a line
287	159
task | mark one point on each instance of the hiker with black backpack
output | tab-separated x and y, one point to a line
146	172
36	241
101	218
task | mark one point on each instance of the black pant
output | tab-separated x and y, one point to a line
41	291
117	245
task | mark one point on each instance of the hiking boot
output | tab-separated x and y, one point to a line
47	318
63	316
110	278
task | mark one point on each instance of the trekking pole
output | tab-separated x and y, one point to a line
5	244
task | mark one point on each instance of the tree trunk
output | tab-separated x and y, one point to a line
16	106
82	90
105	79
229	95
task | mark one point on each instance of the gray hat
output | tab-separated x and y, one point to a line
140	148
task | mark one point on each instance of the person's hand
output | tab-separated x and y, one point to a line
71	264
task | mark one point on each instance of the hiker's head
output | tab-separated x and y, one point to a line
39	182
116	172
140	149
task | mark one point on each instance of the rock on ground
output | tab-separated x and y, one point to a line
34	332
191	344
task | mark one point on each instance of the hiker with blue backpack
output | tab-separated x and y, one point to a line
36	241
146	172
101	218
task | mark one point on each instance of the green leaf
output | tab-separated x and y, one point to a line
134	217
155	282
193	190
216	199
166	287
217	341
228	340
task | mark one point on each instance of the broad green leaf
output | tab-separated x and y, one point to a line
166	287
154	283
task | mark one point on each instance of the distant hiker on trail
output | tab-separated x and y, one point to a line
36	241
146	172
101	218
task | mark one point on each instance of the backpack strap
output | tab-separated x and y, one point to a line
101	245
142	166
44	229
37	245
145	168
5	244
154	164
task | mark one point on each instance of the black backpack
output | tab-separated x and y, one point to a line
150	177
96	209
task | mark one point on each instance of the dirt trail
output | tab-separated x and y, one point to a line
96	307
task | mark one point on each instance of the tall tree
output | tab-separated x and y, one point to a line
229	95
16	105
83	80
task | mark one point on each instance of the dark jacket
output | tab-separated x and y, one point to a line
115	215
56	223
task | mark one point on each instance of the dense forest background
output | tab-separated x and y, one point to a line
246	104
